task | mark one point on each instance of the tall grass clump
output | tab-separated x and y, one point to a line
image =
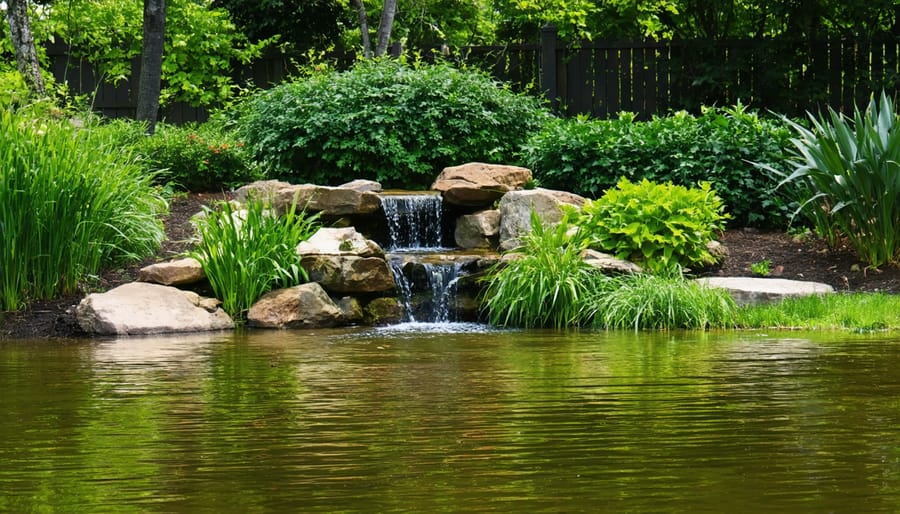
545	284
72	200
665	301
845	173
247	251
861	312
385	120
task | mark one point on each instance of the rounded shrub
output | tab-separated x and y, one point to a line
385	120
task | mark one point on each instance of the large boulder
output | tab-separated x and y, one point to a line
303	306
347	274
749	290
265	190
330	201
141	308
479	185
478	230
516	207
173	273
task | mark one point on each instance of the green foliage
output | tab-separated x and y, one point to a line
545	284
385	120
198	157
661	226
761	268
246	252
588	156
846	175
861	312
71	201
670	301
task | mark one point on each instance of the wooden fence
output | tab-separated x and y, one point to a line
605	77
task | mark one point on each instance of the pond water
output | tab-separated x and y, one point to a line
416	419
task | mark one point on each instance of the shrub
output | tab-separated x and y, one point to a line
588	156
245	253
846	176
385	120
71	201
546	285
199	157
661	226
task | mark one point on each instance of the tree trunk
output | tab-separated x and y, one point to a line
363	27
151	62
23	42
384	28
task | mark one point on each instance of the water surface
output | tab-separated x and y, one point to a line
416	418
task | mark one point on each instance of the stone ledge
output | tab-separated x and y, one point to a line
752	290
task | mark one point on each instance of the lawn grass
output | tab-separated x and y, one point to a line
859	312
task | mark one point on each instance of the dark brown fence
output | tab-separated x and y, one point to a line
603	78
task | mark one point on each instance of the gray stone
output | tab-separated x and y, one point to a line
351	309
749	290
362	186
339	241
265	190
516	207
345	274
609	263
330	201
478	230
173	273
479	185
142	308
303	306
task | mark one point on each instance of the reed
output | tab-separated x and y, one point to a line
72	200
246	252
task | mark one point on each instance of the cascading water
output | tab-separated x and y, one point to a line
426	286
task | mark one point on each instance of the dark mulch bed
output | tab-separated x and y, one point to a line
798	259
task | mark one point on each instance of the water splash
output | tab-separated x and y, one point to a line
427	290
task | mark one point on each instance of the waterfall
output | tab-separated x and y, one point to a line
427	290
414	221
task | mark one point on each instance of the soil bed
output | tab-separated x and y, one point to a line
798	259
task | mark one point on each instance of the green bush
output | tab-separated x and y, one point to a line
199	157
385	120
246	252
588	156
846	175
660	226
546	284
71	201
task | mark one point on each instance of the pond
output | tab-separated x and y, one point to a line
417	418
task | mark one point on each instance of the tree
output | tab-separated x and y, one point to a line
151	62
383	36
323	21
23	43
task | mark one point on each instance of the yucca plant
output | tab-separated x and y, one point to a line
71	201
545	284
246	252
846	177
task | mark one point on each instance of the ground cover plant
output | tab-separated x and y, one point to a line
861	312
72	200
245	252
845	173
385	120
588	156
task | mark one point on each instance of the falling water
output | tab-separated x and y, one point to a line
427	290
414	221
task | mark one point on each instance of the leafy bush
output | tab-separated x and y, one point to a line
199	157
245	253
588	156
661	226
546	284
71	201
644	301
846	175
385	120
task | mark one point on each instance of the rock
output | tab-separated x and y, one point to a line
173	273
383	311
718	251
748	290
608	263
142	308
330	201
351	309
344	274
339	241
477	184
303	306
516	207
362	186
265	190
478	230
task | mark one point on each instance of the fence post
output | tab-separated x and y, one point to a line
548	63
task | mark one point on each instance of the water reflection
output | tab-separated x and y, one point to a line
451	419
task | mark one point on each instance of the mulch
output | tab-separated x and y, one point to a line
797	258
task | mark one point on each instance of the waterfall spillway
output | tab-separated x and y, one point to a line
426	285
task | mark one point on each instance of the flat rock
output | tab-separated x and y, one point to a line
173	273
478	184
142	308
750	290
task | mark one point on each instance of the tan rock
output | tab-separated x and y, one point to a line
173	273
478	184
303	306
